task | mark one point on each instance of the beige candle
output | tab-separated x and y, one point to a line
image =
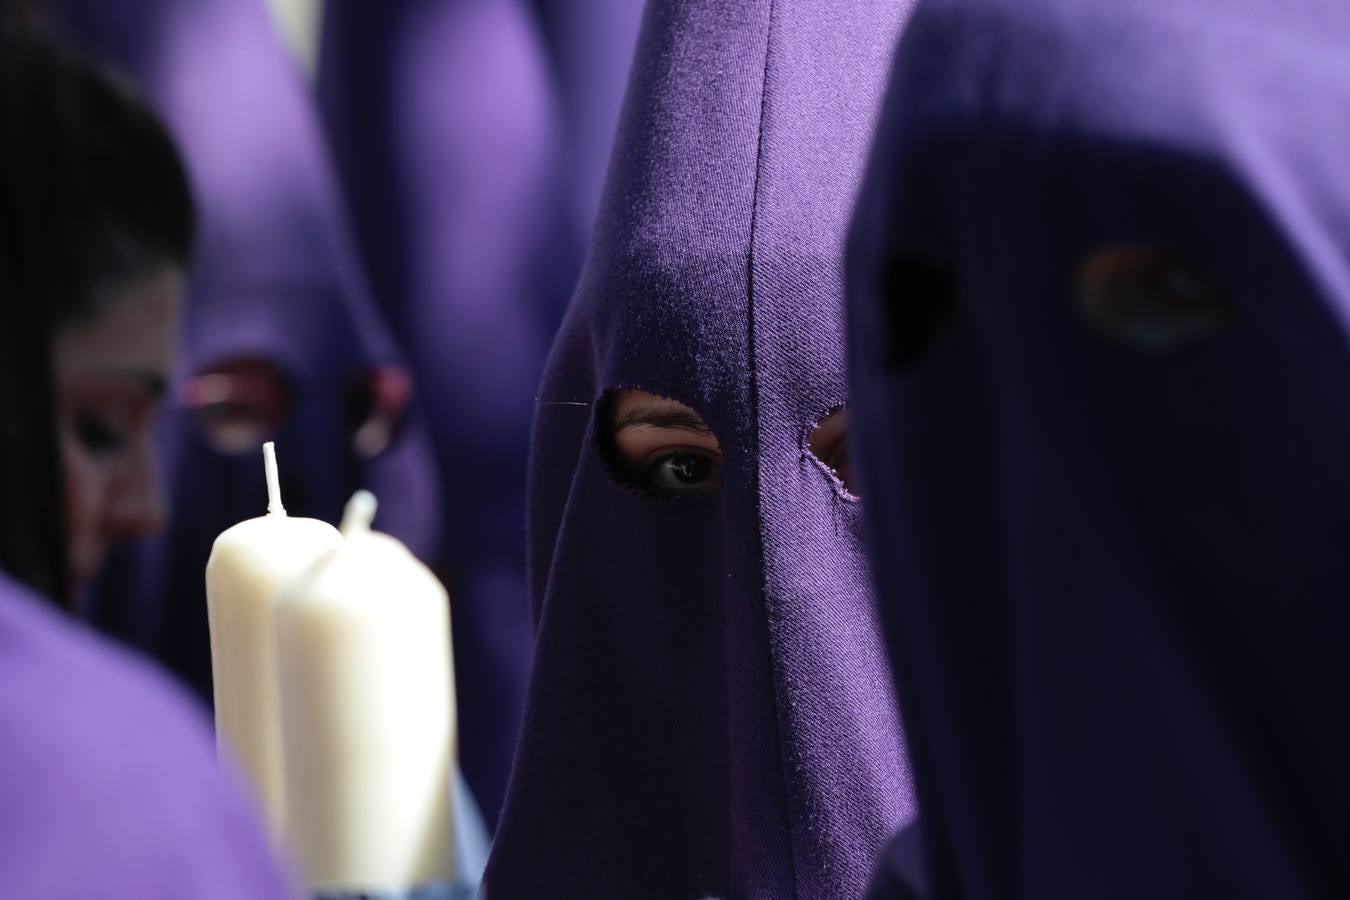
250	562
368	702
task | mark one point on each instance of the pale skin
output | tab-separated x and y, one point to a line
111	375
667	448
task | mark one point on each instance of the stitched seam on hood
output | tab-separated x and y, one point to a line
753	388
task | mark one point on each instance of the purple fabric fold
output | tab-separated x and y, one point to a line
109	779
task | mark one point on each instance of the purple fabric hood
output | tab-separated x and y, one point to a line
710	709
1100	305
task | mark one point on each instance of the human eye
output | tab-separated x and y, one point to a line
658	446
97	435
682	472
1149	298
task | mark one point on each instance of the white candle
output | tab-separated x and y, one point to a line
368	702
250	563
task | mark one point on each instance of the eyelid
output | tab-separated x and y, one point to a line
97	415
111	417
653	457
646	440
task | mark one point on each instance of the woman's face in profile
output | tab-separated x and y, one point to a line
111	375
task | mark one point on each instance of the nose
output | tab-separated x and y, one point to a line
137	507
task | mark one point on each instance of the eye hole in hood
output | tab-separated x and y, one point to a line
658	446
919	302
239	404
828	443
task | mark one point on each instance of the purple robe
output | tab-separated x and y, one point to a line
710	709
275	278
109	779
444	122
1100	307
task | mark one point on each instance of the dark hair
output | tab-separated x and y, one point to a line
92	193
106	195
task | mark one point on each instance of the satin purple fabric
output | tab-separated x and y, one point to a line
710	710
109	779
446	129
1108	502
275	278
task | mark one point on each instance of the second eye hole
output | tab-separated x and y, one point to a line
918	297
828	442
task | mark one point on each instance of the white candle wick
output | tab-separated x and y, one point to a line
273	480
358	515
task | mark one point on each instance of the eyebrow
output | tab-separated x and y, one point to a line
154	383
675	419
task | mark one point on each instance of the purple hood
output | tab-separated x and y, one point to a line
710	710
1100	305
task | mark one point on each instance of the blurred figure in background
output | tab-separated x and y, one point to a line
96	222
590	50
282	340
472	152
